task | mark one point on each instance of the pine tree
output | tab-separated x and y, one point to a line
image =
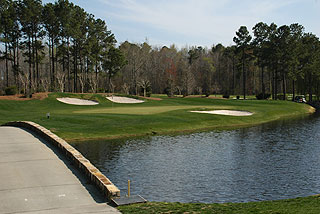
242	41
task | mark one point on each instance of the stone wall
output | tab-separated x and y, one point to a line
315	104
94	175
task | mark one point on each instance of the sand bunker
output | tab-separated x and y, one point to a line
76	101
226	112
123	100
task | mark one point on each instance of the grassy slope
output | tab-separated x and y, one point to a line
110	120
308	205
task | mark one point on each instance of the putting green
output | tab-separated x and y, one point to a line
145	110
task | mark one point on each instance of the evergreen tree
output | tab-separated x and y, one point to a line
30	20
52	26
259	43
242	41
7	25
296	33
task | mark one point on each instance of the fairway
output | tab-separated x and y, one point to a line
172	115
145	110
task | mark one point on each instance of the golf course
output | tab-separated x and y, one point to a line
157	116
161	115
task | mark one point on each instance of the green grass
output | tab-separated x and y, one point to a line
307	205
170	115
141	110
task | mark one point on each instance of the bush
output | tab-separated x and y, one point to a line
168	92
281	97
101	90
261	97
12	90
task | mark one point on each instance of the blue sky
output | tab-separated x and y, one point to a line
197	22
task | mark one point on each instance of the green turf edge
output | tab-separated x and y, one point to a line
305	205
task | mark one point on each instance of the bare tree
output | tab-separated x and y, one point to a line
24	79
144	84
61	79
45	83
82	80
125	88
199	90
93	82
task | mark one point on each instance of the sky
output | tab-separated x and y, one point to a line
197	22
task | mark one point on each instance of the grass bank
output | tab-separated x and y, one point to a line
307	205
170	115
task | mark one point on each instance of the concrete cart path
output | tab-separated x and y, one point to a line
36	178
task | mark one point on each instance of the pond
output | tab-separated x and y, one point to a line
273	161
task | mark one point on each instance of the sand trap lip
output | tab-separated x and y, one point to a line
76	101
116	99
226	112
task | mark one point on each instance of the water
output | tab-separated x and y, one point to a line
274	161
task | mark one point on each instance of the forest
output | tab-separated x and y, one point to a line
60	47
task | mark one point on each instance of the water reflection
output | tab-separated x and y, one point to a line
271	161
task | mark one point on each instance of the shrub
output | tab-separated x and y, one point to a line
168	92
101	90
281	97
260	96
12	90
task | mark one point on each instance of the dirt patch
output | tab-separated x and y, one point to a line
151	98
195	96
21	97
217	98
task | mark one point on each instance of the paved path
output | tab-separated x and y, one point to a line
36	178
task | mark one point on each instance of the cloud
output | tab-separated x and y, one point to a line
207	21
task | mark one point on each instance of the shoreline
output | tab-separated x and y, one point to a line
72	141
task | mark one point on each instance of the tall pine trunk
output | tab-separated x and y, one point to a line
37	69
96	68
75	67
293	90
263	87
244	75
68	56
18	65
33	61
284	86
310	87
233	75
30	68
276	85
6	59
53	65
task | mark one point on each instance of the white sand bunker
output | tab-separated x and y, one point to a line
76	101
116	99
226	112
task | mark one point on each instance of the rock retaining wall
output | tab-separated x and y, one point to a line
95	176
315	104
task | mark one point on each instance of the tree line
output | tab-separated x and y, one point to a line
60	47
271	61
55	47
